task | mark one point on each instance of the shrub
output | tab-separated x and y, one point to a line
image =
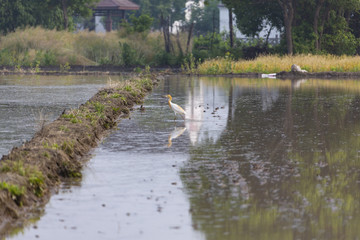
209	46
128	54
139	24
338	39
163	58
342	42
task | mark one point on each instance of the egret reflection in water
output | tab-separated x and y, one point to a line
177	132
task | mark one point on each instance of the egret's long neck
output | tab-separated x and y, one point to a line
169	102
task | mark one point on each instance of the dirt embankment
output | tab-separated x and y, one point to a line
29	174
81	70
321	75
295	75
120	70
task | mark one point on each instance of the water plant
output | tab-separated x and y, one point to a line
36	68
72	117
15	191
116	95
31	173
123	99
46	154
115	109
53	146
36	181
144	83
64	128
189	64
99	108
68	147
128	88
65	67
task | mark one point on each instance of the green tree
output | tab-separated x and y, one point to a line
138	24
47	13
14	14
142	23
70	8
338	38
251	16
173	10
305	23
205	18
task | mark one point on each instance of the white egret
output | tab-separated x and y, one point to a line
176	108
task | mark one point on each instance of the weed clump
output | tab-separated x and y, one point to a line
16	192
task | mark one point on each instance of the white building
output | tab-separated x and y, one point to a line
224	26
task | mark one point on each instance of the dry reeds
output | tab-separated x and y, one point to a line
102	48
41	47
37	45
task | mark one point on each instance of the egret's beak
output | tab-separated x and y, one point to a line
165	96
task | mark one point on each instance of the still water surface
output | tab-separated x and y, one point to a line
255	159
27	100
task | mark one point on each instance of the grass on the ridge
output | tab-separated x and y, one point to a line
274	64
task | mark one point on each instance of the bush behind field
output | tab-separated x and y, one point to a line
40	47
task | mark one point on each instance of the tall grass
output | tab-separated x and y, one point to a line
100	48
41	47
274	63
33	46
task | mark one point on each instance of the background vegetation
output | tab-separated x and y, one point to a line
35	47
307	26
41	32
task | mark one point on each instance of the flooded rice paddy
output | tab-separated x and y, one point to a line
26	102
255	159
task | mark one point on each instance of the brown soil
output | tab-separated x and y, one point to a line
81	70
29	174
296	75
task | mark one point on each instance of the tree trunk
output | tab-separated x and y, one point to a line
189	37
323	20
288	11
179	44
231	28
66	19
268	35
166	32
316	23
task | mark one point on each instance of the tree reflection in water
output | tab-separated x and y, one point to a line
277	159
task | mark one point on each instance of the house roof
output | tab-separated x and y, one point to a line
117	4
